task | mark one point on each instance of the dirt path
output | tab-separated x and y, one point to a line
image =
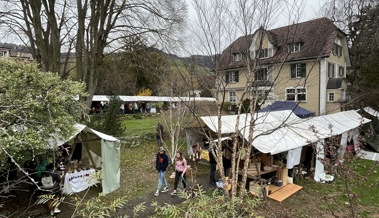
163	198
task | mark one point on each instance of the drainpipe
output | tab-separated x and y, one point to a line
319	86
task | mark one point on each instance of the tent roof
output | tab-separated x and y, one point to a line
78	129
371	111
81	127
288	105
280	131
151	98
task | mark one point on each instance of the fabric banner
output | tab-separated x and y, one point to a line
342	148
319	160
293	157
79	181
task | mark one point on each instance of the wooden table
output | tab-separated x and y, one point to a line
252	173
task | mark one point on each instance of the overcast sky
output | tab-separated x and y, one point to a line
309	9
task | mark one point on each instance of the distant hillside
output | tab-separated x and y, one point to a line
201	60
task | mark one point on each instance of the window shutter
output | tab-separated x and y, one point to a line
293	70
237	76
227	77
303	70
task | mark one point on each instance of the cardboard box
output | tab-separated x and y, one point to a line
172	178
189	172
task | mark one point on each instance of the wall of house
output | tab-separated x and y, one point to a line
335	106
311	84
238	87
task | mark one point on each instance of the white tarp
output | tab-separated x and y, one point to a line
100	98
279	131
371	111
152	98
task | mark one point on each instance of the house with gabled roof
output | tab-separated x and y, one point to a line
15	51
303	63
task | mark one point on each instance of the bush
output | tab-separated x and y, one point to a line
110	123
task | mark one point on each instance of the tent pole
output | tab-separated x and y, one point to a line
90	156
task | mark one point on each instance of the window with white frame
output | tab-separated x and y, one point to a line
261	74
298	70
237	57
337	48
262	53
295	47
261	94
232	97
331	97
232	77
331	70
296	94
341	71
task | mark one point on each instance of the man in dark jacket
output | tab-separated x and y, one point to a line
212	161
161	165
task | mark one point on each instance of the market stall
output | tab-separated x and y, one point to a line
103	152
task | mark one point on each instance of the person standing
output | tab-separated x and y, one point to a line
159	134
161	165
213	163
180	171
52	187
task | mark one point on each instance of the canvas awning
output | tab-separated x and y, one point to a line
279	131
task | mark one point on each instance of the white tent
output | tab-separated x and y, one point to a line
103	151
279	131
151	98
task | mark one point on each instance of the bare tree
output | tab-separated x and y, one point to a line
220	23
93	27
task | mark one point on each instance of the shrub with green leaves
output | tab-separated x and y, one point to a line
35	107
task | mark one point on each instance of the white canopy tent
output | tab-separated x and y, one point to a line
280	131
152	98
103	151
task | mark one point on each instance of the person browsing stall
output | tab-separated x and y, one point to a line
50	183
161	165
180	170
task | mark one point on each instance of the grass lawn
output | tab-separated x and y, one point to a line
139	124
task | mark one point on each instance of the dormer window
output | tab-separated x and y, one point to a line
262	53
237	57
337	47
295	47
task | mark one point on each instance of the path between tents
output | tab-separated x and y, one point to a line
162	199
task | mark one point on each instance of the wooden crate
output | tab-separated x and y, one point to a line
189	172
267	160
172	178
282	174
256	189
